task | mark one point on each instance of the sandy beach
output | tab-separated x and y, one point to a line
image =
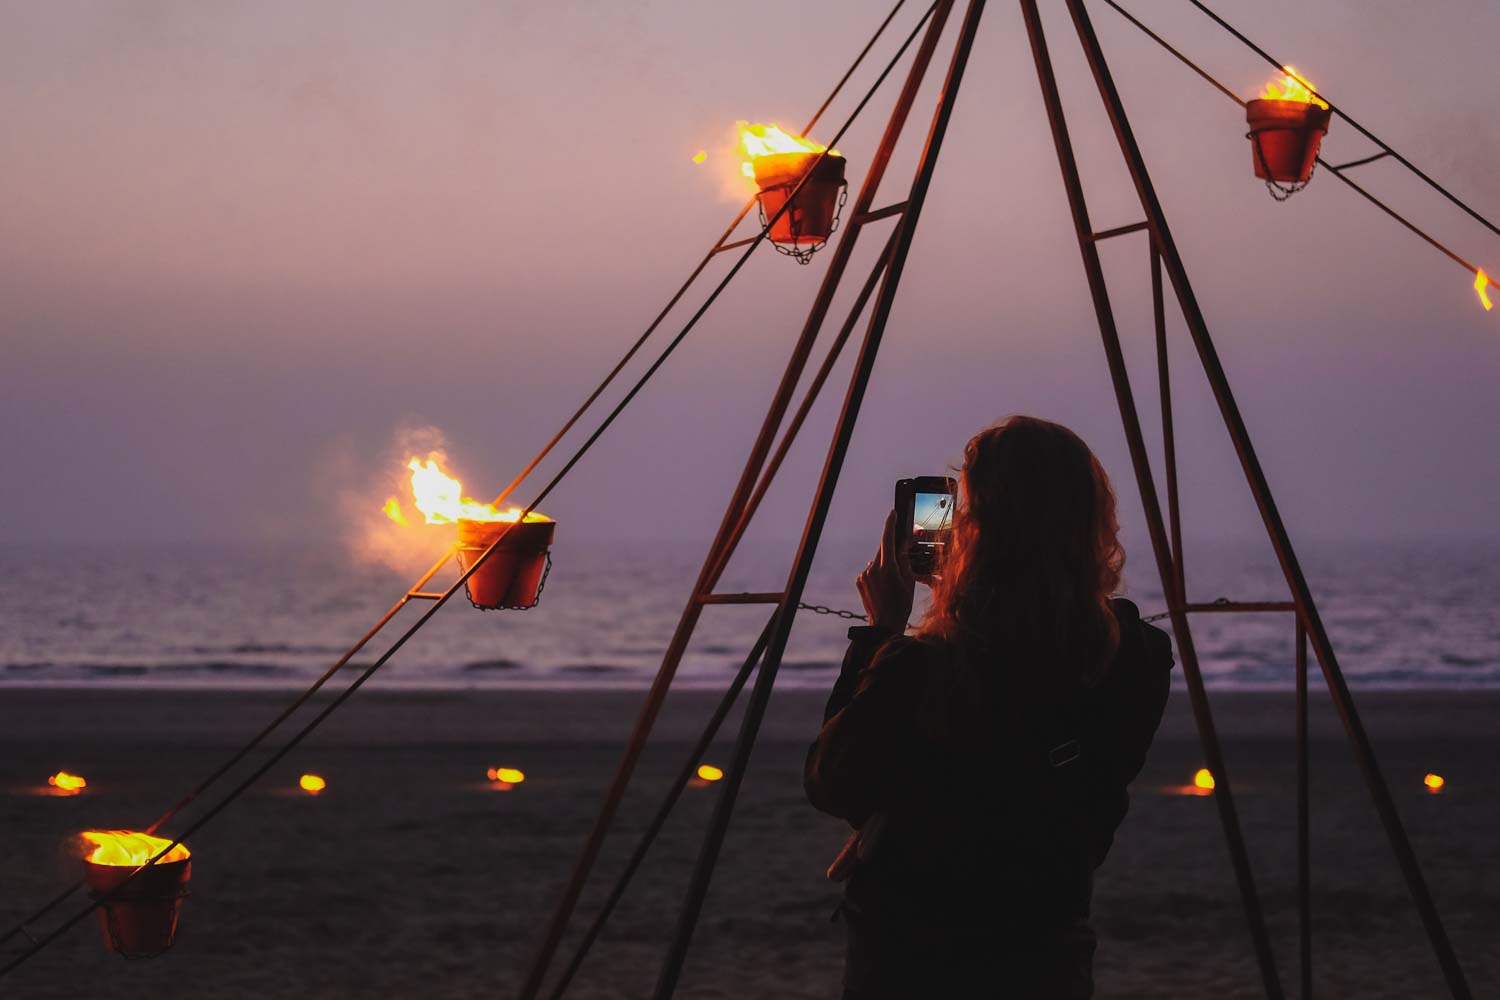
410	876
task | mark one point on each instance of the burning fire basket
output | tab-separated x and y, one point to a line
513	576
1287	126
140	921
777	163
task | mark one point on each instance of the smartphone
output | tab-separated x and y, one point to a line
924	519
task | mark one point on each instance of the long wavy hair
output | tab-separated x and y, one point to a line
1024	586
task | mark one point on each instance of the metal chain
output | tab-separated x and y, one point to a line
541	585
804	256
819	609
1279	191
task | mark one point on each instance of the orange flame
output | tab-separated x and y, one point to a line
312	784
1293	86
439	497
1481	285
1434	782
709	773
63	781
1204	779
508	775
766	140
124	847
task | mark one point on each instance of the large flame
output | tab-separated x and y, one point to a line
440	498
1293	86
1482	286
124	847
766	140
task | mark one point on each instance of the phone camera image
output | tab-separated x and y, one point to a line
932	519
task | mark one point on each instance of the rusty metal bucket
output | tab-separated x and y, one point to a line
513	575
813	214
141	920
1285	137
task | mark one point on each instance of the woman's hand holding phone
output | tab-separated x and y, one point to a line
887	584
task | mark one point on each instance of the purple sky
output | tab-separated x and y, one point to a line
245	244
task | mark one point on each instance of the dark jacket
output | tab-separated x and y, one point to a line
1002	823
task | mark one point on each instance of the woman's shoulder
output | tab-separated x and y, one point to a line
1141	641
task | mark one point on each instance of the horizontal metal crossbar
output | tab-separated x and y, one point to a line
876	214
742	598
1359	163
1134	227
737	243
1247	606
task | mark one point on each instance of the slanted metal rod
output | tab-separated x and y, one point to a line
424	595
1260	489
723	544
760	695
1208	736
1168	426
1108	234
1304	820
674	792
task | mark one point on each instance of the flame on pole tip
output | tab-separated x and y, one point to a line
65	782
1482	287
1292	86
125	847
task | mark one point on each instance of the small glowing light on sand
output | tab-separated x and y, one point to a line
1434	782
709	773
701	156
67	783
312	784
1204	779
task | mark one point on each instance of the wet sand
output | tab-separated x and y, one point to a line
410	876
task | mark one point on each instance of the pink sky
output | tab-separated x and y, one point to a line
244	244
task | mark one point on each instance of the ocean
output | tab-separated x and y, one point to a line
1401	616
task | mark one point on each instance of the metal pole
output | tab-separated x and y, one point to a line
1208	736
761	693
1168	431
1301	593
674	792
721	549
1304	819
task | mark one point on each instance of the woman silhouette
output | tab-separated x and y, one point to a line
984	759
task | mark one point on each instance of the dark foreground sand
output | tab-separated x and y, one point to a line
408	877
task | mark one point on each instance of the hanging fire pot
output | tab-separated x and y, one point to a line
140	919
1285	137
813	214
514	574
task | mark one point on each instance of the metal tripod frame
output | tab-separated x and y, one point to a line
1165	536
